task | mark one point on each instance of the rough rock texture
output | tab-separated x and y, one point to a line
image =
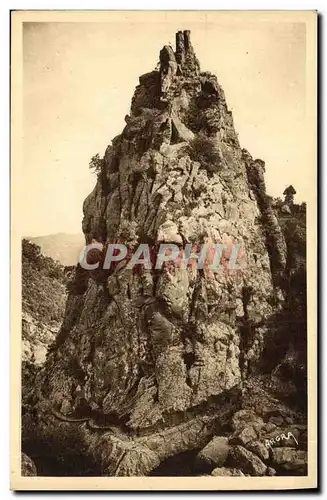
43	306
148	363
290	460
259	449
247	461
225	471
213	455
270	471
243	418
28	466
244	436
43	302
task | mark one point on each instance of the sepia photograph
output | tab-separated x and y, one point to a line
163	250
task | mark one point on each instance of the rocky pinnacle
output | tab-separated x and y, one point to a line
161	356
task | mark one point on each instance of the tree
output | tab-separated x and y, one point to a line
289	195
96	164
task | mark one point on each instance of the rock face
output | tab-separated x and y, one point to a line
290	460
213	455
158	357
224	471
27	466
43	302
247	461
43	306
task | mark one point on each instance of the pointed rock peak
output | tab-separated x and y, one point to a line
181	62
182	41
185	54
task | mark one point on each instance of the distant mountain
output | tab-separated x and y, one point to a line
63	247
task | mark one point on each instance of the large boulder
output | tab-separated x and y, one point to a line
244	418
244	436
259	449
213	455
247	461
268	428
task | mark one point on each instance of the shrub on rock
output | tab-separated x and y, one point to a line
204	150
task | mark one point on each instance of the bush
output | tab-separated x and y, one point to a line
96	164
42	284
205	150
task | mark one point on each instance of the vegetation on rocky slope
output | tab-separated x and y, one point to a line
43	304
42	285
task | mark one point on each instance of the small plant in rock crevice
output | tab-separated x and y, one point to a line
205	150
96	164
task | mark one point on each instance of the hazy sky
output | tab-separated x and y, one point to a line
79	79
